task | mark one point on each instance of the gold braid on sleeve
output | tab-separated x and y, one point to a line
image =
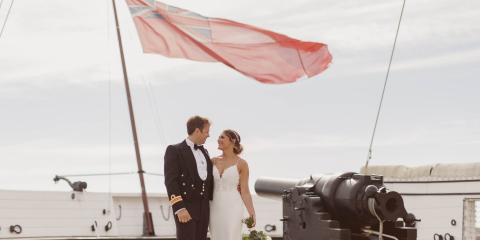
174	199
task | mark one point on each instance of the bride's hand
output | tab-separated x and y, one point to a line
254	221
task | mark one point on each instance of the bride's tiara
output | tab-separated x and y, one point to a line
238	139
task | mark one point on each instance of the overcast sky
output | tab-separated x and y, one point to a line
63	106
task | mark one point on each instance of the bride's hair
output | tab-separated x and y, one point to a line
237	147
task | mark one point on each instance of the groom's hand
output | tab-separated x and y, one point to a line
184	216
239	189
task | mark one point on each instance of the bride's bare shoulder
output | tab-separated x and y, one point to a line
242	164
213	159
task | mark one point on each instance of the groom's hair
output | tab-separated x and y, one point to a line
195	122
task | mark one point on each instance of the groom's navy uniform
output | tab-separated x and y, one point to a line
189	182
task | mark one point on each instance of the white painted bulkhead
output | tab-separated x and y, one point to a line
56	214
436	211
437	194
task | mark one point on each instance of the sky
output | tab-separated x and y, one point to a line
63	107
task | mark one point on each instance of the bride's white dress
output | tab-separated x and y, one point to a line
226	209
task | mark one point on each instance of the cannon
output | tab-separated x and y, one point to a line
343	206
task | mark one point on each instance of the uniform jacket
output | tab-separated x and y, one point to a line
180	170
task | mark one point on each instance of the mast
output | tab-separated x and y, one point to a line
147	213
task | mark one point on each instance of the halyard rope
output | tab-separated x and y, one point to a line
109	111
150	95
369	156
8	13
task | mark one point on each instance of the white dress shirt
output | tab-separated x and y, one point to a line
200	159
201	163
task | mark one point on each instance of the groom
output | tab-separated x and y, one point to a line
189	181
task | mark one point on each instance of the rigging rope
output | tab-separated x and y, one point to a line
8	13
158	115
109	110
106	174
98	174
154	110
369	156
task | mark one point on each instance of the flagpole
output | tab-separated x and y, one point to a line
148	216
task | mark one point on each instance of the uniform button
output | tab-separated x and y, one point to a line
201	193
184	192
183	184
192	185
182	175
203	184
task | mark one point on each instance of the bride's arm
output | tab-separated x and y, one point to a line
245	192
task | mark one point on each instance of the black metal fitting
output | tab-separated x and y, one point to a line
13	229
108	226
93	227
269	228
440	237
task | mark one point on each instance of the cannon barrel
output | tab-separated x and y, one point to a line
343	195
356	201
274	188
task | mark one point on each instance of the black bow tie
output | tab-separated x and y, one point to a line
196	147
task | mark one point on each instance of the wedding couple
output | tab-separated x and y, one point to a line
204	191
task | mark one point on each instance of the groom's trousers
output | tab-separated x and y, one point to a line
195	229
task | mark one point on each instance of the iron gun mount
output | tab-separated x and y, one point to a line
343	206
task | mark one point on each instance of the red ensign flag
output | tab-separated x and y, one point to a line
260	54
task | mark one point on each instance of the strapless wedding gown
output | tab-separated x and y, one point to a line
226	209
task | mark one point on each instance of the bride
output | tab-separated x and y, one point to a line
229	171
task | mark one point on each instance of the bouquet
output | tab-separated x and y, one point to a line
254	234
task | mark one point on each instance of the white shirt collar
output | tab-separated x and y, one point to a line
189	143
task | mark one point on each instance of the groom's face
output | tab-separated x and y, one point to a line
203	135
